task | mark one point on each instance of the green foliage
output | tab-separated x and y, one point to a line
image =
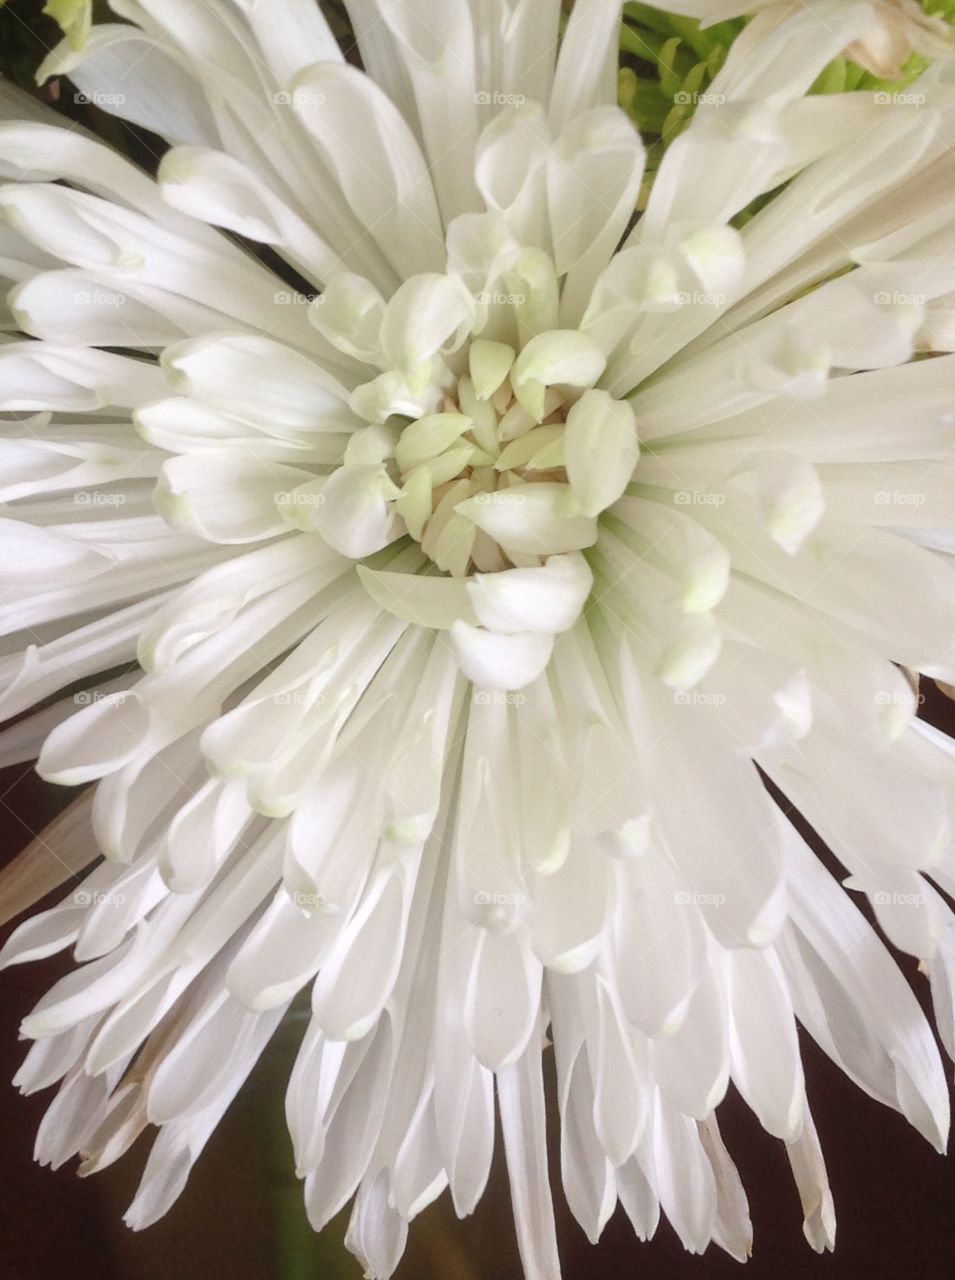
26	33
668	64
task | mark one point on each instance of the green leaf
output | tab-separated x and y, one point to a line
832	79
669	77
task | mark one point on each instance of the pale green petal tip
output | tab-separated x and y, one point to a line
74	17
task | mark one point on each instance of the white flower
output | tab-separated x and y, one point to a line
450	696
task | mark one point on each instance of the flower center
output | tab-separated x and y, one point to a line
487	440
481	451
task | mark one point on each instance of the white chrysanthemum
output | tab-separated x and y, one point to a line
447	706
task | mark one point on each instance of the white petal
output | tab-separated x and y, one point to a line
532	519
546	599
429	602
601	449
217	188
225	499
494	661
562	356
390	191
521	1098
352	511
122	71
254	378
427	313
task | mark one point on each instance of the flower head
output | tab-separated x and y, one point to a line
464	587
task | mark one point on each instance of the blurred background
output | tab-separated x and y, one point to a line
242	1213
